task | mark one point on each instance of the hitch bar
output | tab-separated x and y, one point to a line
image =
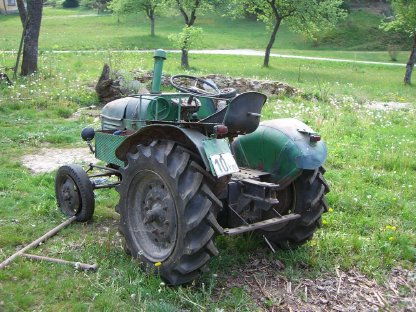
261	224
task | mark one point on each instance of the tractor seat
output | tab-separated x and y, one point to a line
241	115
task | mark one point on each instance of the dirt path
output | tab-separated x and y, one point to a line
342	291
237	52
49	159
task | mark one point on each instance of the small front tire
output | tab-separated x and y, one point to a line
74	192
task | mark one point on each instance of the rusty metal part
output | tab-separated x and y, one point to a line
37	242
261	224
77	265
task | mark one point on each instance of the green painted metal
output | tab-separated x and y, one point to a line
159	56
278	147
215	147
132	112
207	108
190	138
106	145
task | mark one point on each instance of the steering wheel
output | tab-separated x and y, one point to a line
189	84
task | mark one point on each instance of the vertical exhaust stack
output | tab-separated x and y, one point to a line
159	56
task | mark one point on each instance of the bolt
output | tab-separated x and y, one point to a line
146	208
166	223
165	208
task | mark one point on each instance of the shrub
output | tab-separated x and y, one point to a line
70	4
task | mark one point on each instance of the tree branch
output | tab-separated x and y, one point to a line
193	14
181	9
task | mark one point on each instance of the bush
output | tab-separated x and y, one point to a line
70	4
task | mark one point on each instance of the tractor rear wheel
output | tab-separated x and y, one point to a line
305	196
167	211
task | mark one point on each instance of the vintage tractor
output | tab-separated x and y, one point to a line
196	163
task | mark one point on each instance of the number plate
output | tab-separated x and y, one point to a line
223	164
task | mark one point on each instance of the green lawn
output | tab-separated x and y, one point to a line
79	29
370	168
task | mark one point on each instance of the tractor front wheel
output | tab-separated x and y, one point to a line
305	196
74	192
167	211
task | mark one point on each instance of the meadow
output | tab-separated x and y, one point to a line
358	37
371	170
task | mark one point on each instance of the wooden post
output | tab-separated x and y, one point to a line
77	265
37	242
19	53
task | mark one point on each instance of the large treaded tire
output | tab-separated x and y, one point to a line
74	192
307	198
185	246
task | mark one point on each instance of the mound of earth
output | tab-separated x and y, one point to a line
113	85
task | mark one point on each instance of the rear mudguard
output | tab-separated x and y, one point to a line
193	140
282	147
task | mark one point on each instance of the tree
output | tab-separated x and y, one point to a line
149	7
190	34
306	16
31	21
191	6
187	38
405	20
99	5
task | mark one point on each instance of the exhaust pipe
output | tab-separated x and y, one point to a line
159	56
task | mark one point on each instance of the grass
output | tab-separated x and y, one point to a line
78	29
370	169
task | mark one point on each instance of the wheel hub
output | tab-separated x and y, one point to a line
70	196
153	216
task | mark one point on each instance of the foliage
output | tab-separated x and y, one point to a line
122	7
99	5
405	20
189	37
305	16
70	4
404	17
150	7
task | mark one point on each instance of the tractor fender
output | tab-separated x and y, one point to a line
189	138
282	147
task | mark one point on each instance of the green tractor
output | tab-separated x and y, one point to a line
194	164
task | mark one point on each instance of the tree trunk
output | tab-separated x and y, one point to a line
152	26
22	11
271	42
30	50
411	63
5	7
184	59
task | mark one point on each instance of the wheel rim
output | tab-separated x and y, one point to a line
69	196
152	216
